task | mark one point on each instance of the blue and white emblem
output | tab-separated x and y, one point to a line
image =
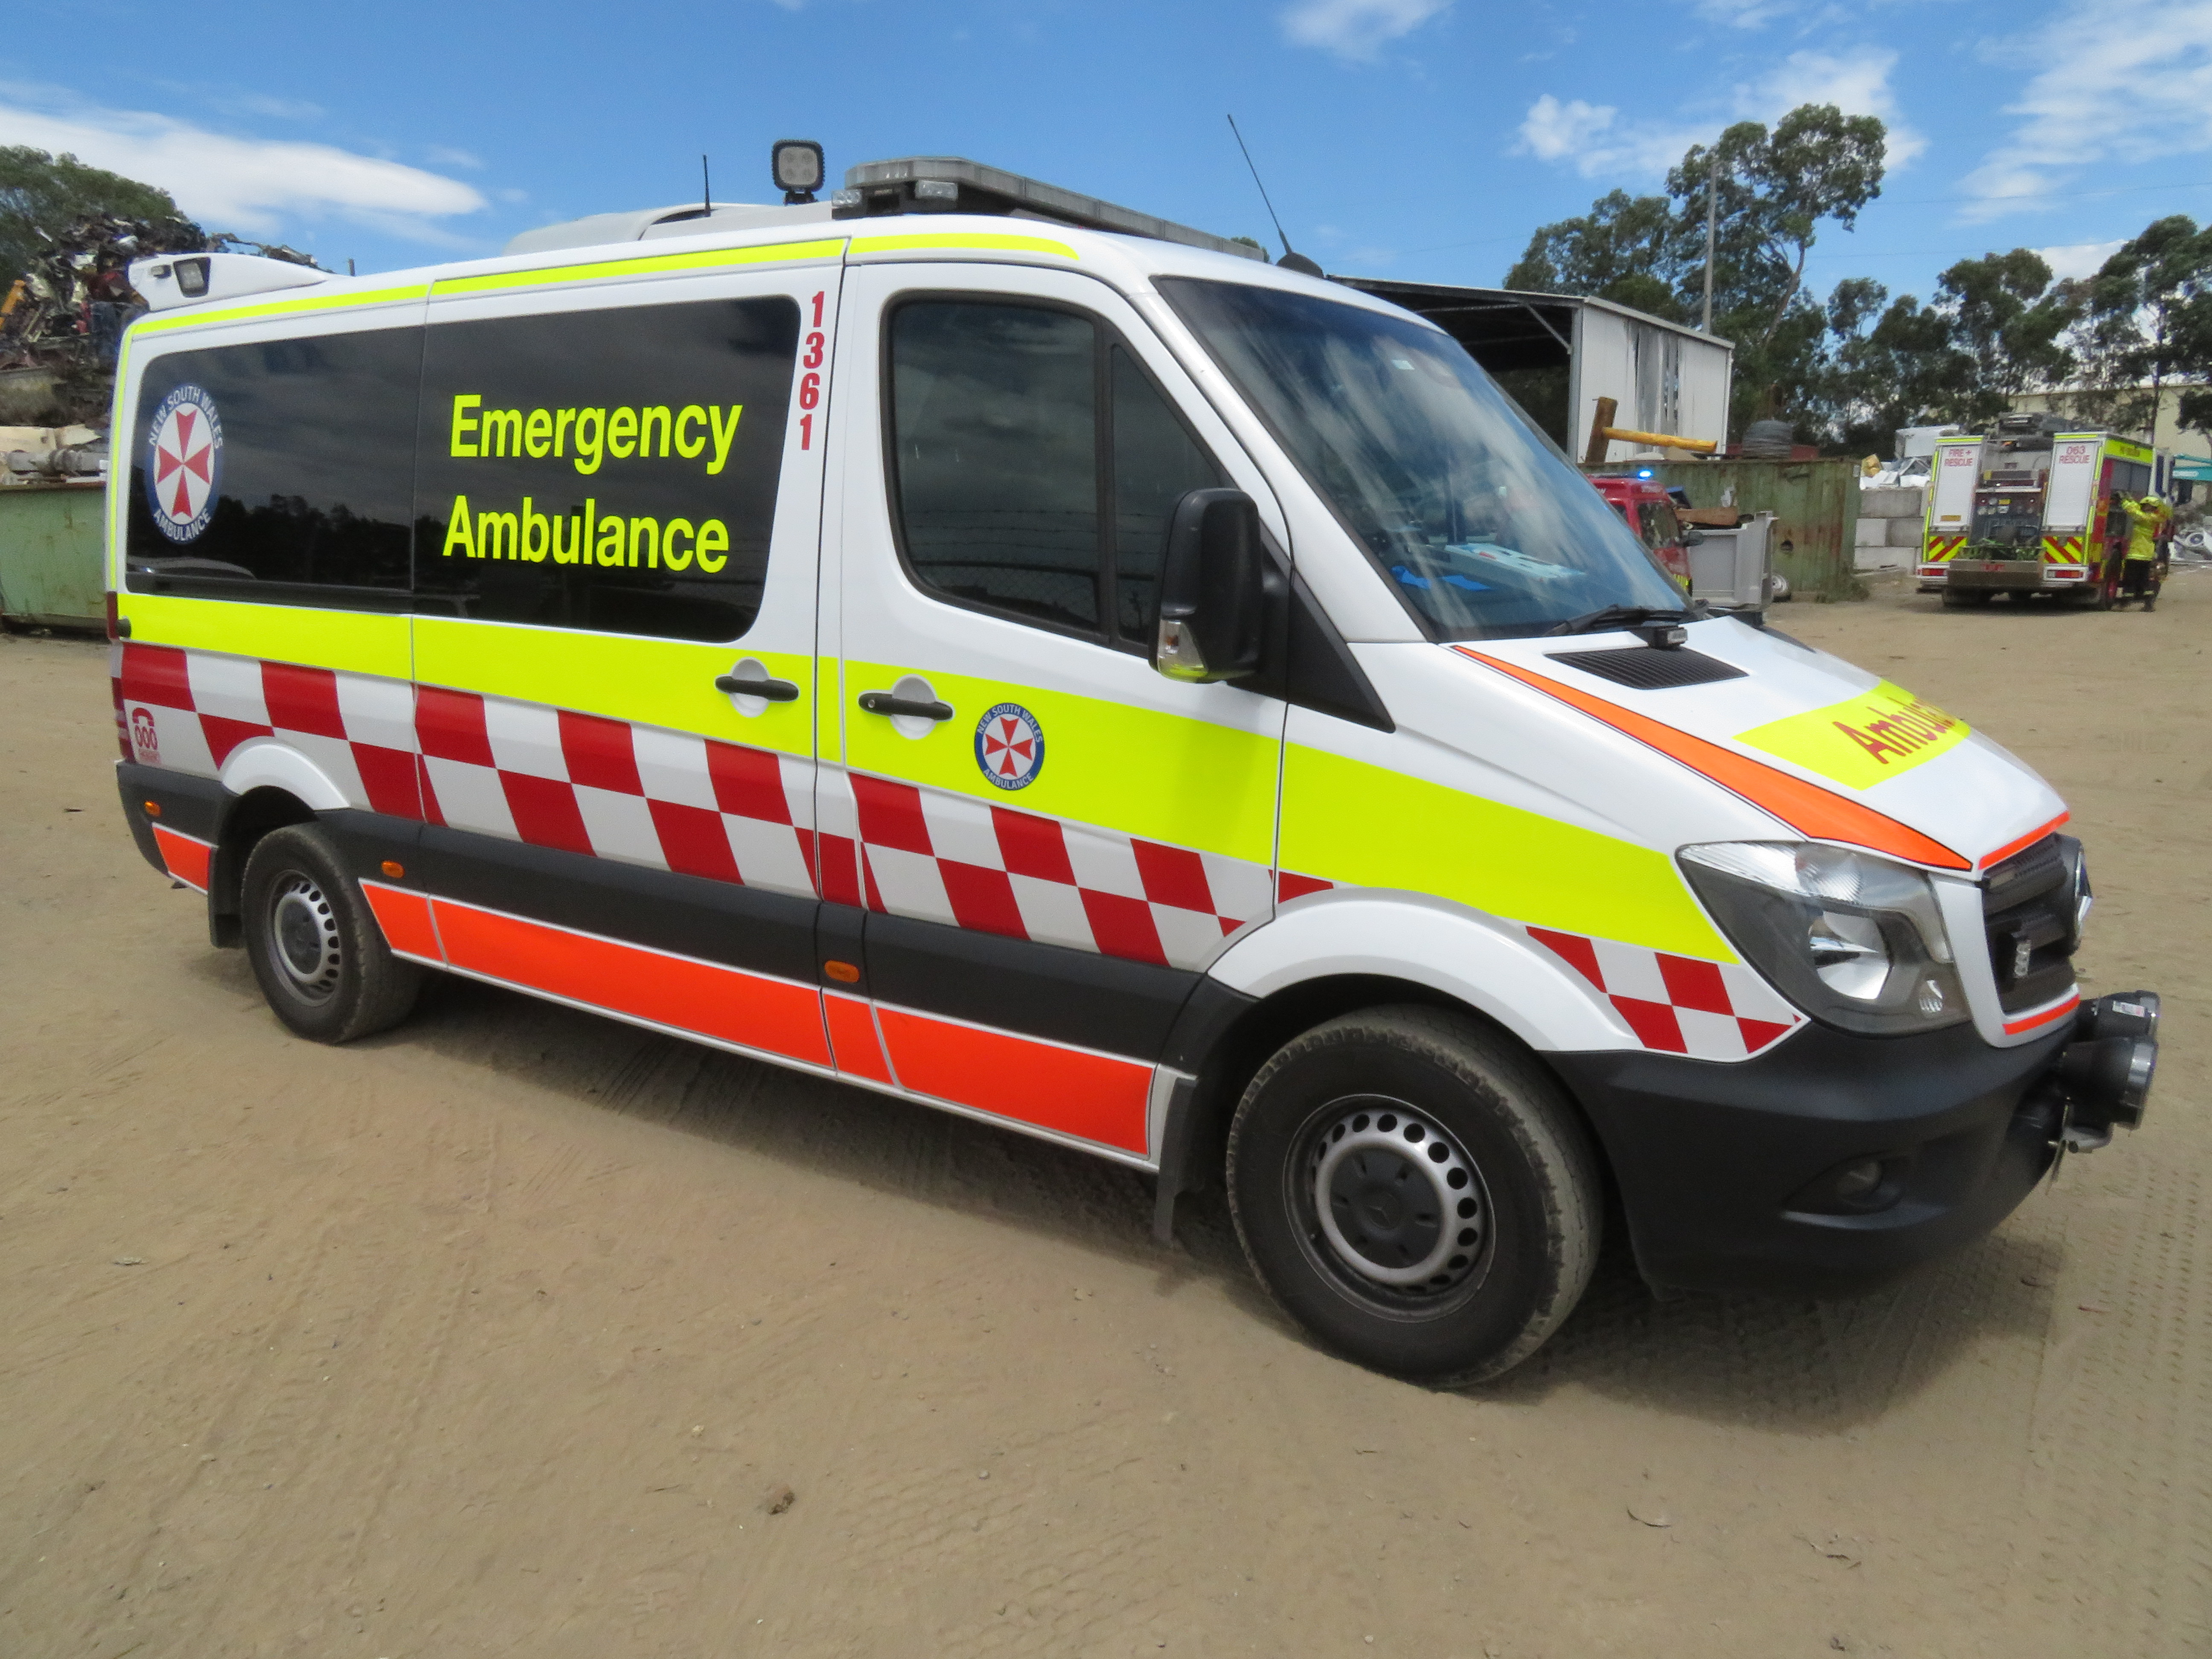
183	462
1010	745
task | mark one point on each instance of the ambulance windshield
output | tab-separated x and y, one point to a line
1484	528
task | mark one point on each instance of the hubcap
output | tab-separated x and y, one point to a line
1399	1202
305	932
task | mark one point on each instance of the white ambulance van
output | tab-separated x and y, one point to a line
1054	667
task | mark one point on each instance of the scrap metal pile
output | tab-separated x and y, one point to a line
61	322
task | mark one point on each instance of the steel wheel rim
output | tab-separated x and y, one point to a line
1397	1207
303	938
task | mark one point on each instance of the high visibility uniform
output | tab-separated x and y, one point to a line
2145	523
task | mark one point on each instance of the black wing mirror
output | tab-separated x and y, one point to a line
1212	605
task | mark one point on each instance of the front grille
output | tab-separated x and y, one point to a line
1648	669
2028	916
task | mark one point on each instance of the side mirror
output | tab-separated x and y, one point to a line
1212	600
1692	536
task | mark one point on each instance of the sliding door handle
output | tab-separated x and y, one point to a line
884	702
768	690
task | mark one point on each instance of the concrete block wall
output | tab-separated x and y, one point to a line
1887	534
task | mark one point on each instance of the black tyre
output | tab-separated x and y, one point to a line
1417	1192
317	950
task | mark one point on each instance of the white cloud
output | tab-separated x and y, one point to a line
249	184
1596	141
446	157
2115	80
1357	29
1855	81
2078	258
1743	13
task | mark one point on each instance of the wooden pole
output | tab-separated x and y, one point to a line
1595	455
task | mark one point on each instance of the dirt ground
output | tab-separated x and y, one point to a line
492	1334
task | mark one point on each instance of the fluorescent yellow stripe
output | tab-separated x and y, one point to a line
965	239
357	642
651	265
1863	739
829	703
668	683
382	296
1161	776
1347	821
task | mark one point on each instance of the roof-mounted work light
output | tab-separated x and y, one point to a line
797	167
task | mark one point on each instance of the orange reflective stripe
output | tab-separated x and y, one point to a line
2015	1027
1095	1097
2025	841
1805	807
405	919
853	1038
187	856
750	1010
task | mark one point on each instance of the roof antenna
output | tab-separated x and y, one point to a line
1291	260
705	187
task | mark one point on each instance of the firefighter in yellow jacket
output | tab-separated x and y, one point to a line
2148	519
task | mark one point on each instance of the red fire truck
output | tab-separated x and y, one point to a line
2028	509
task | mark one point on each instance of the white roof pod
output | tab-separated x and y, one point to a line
170	280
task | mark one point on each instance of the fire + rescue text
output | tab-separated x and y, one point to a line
584	538
593	434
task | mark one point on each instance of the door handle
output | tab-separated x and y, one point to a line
767	691
883	702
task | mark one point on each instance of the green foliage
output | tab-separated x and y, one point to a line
2145	321
1773	190
41	195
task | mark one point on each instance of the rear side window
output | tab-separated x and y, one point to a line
612	469
283	466
1035	464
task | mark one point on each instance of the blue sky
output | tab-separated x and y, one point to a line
1415	138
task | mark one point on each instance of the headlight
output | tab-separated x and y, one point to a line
1855	940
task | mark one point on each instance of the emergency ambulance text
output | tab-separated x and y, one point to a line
1913	725
584	538
643	434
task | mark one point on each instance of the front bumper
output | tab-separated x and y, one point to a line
2004	576
1713	1161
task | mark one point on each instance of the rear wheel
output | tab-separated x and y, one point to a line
317	952
1416	1191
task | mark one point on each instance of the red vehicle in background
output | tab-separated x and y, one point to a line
1649	510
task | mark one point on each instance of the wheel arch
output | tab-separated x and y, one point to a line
248	817
1337	954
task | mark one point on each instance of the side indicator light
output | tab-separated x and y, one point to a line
843	972
393	868
153	808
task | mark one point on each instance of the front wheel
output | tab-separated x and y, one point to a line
318	952
1416	1191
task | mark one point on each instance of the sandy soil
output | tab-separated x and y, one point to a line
494	1334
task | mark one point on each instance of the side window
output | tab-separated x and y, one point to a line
995	418
1156	463
611	469
1035	464
285	462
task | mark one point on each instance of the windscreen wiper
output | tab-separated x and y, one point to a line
1626	616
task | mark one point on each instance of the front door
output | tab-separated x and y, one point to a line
618	487
1050	841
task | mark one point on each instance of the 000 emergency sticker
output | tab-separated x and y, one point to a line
1863	739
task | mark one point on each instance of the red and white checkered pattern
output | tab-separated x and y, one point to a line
938	856
187	710
617	790
1679	1004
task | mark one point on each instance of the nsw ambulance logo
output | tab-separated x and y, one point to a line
1010	746
183	462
